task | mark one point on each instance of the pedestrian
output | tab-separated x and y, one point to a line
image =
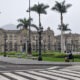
70	56
66	59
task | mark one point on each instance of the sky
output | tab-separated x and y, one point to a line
12	10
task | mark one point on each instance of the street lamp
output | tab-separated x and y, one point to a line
40	32
5	36
36	45
49	42
44	44
29	42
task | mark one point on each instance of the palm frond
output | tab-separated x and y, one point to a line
68	5
61	7
30	19
40	8
43	12
34	8
33	25
20	20
57	6
19	25
46	6
53	8
63	3
64	27
23	22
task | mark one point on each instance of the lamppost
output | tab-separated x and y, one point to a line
40	32
36	44
5	36
29	42
44	44
48	42
72	43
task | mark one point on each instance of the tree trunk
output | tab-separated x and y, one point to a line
39	20
40	55
62	42
29	42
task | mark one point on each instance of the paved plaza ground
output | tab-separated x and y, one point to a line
27	69
29	61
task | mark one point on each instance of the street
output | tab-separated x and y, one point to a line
4	66
10	71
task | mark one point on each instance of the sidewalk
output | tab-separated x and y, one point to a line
34	62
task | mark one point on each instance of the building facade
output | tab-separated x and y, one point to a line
71	42
17	40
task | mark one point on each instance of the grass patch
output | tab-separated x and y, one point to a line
46	56
53	59
56	56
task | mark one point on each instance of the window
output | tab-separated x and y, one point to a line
33	37
10	37
15	46
10	46
15	37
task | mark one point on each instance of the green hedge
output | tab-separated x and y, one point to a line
50	54
59	55
1	53
10	53
76	55
54	54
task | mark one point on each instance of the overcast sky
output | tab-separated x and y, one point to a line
12	10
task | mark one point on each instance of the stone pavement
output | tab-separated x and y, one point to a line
36	62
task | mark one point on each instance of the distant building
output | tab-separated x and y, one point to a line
16	40
71	42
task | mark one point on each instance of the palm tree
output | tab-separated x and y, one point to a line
64	28
25	24
40	9
61	8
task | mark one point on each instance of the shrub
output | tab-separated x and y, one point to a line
76	55
59	55
11	53
1	53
